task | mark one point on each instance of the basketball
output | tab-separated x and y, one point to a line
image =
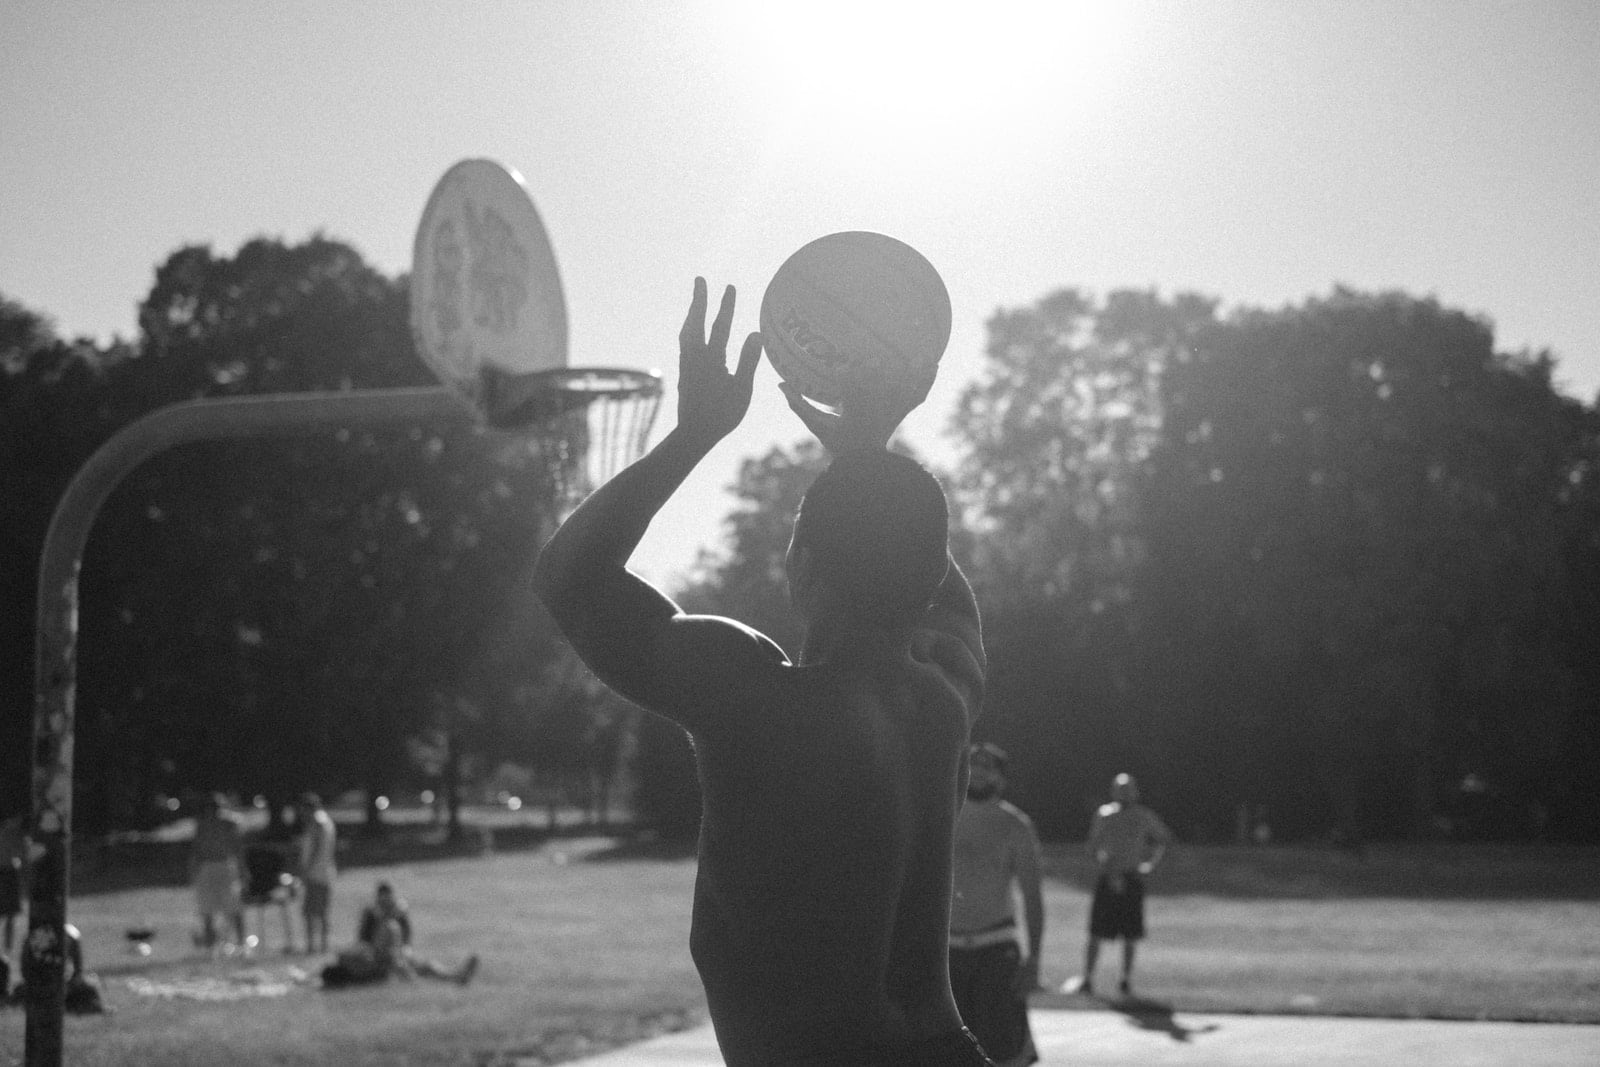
849	297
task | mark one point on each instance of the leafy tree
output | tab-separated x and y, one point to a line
274	614
52	401
1057	433
1307	557
1356	499
1571	797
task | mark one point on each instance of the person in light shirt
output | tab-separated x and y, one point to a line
996	848
1127	841
214	870
318	846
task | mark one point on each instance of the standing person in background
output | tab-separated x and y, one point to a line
1127	841
318	838
214	870
13	868
996	848
13	889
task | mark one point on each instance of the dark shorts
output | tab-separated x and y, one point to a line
955	1049
354	968
984	981
1113	914
316	898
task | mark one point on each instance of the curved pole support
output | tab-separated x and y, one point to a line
56	634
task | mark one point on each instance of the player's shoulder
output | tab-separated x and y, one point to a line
729	637
704	666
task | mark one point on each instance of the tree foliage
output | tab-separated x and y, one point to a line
276	614
52	416
1307	558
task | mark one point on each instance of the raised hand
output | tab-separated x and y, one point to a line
711	399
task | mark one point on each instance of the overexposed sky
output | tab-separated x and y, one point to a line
1256	151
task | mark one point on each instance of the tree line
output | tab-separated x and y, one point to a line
1333	567
332	611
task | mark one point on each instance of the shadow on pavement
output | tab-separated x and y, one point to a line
1157	1016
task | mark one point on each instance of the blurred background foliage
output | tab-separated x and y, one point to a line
1332	568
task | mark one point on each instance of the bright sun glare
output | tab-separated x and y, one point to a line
919	66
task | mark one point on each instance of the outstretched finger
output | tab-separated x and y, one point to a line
718	342
693	333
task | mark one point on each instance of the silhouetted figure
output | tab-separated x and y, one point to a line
831	784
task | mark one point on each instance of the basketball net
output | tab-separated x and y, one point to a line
588	423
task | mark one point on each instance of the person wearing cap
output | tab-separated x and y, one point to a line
318	838
1127	842
996	848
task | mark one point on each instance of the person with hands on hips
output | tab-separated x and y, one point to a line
1127	842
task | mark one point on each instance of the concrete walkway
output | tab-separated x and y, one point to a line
1117	1039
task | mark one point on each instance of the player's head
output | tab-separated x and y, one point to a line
1124	790
987	778
870	538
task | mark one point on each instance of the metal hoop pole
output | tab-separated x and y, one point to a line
56	634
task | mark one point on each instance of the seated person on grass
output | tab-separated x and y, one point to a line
383	948
83	987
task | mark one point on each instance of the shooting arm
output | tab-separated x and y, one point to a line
594	544
619	624
612	617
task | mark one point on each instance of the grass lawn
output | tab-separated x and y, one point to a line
585	948
579	953
1510	933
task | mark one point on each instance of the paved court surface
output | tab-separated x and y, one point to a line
1119	1039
